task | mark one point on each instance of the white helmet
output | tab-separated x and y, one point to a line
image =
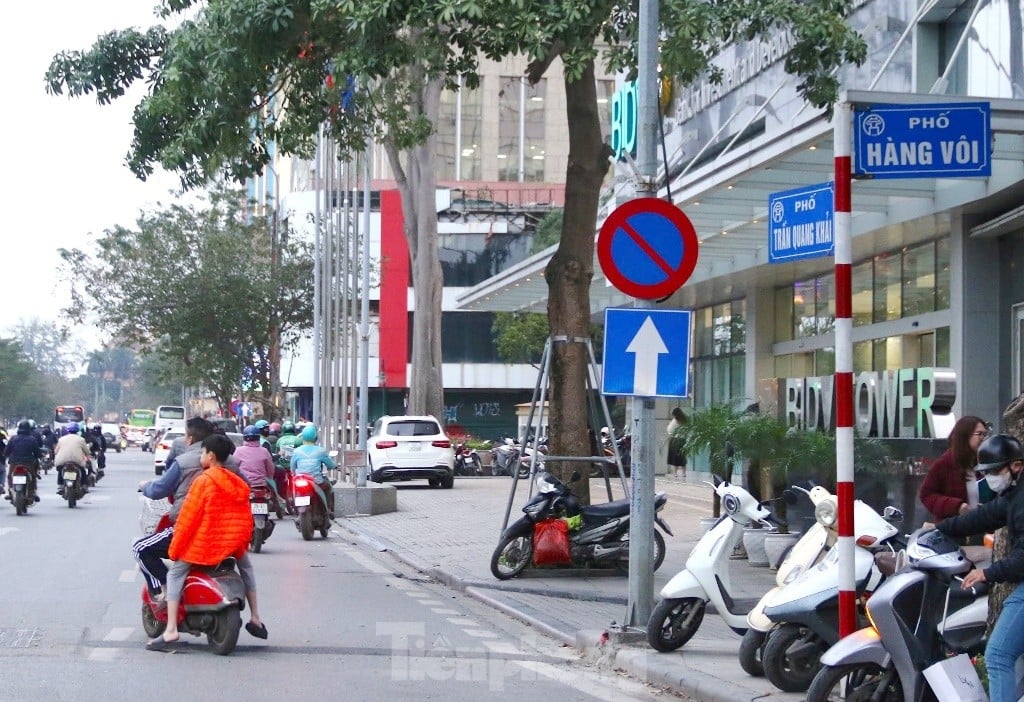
604	432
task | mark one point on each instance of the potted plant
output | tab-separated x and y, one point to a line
708	430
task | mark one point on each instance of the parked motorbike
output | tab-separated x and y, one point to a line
76	482
505	457
705	578
262	502
909	628
807	551
467	460
22	484
311	508
806	613
601	540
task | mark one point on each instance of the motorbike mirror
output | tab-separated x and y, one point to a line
892	514
789	496
574	477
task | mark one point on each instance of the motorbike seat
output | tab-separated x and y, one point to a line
607	510
227	565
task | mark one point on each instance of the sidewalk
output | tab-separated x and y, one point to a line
450	535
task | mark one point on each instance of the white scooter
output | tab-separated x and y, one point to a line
705	578
809	550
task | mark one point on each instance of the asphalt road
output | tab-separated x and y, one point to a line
344	621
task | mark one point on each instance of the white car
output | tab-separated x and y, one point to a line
410	448
163	447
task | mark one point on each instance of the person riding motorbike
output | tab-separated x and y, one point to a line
71	448
286	443
309	459
98	446
24	449
264	428
254	460
3	461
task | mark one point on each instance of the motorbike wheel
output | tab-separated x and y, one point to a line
306	525
511	556
659	555
752	653
256	543
150	624
478	466
225	631
674	622
71	493
792	674
860	681
19	502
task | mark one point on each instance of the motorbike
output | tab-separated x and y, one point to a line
309	503
806	613
505	457
812	546
22	484
262	502
467	460
705	578
909	627
46	460
211	601
76	482
602	538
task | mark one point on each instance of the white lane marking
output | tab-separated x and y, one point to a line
446	612
604	687
480	634
502	647
8	530
128	576
103	654
365	561
403	584
463	621
427	600
120	633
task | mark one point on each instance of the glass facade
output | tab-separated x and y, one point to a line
718	353
459	136
521	133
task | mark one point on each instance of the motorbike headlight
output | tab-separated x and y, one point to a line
545	486
534	508
825	513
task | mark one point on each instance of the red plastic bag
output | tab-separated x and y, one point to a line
551	542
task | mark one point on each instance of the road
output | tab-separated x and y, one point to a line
343	620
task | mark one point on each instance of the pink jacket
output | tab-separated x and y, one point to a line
255	463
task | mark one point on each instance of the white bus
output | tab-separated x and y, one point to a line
170	417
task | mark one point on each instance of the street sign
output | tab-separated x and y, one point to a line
948	140
647	248
646	352
800	223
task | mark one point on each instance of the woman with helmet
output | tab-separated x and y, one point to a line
24	449
253	459
309	459
1000	460
71	448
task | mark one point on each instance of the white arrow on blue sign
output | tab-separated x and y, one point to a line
646	352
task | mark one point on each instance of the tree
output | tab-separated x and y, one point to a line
203	303
214	78
23	391
48	347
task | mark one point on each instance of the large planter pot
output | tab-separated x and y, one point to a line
753	544
775	545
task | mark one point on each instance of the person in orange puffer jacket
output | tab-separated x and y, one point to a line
215	523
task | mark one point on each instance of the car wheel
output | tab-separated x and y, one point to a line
448	482
433	482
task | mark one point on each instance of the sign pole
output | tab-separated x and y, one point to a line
844	366
640	598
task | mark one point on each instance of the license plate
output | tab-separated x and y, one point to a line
302	501
414	446
71	475
19	479
259	507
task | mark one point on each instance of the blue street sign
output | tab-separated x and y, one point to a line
646	352
800	223
950	140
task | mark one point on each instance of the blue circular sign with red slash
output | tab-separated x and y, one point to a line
647	248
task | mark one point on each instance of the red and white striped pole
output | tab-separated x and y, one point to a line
844	367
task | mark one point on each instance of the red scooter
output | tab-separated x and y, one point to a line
211	604
21	488
311	508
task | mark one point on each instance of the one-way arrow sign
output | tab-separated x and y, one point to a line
646	352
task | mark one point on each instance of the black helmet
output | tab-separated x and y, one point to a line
97	429
24	427
996	451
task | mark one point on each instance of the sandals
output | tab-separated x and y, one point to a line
260	632
159	644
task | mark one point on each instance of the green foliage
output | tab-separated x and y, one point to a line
520	336
549	231
47	347
196	285
23	390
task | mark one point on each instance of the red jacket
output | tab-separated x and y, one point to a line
215	520
944	488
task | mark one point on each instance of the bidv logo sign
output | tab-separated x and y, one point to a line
625	113
913	141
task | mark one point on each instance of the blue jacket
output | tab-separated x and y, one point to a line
23	449
310	459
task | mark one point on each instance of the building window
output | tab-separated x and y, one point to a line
718	366
521	134
888	276
508	128
862	285
458	129
919	280
472	111
534	154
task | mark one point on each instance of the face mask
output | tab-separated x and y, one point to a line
999	482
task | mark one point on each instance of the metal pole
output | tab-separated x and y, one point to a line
844	368
317	252
640	599
364	315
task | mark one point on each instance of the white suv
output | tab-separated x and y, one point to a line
410	448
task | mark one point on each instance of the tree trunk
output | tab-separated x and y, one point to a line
417	185
569	274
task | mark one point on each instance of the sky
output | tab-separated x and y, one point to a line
64	180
